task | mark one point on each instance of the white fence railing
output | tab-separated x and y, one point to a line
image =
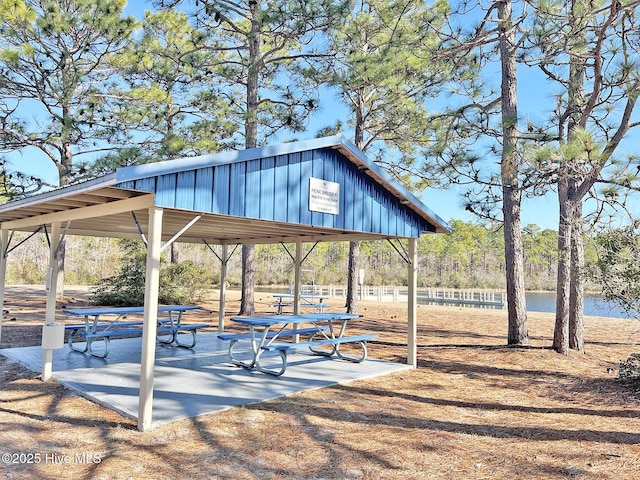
438	296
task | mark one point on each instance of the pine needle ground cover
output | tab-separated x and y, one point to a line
473	409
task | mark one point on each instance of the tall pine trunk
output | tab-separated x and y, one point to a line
352	278
563	288
247	305
514	251
354	247
514	255
576	298
64	177
568	331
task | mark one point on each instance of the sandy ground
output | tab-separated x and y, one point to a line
473	409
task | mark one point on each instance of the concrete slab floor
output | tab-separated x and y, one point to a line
190	382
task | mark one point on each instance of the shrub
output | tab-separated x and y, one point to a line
126	287
178	283
182	282
629	373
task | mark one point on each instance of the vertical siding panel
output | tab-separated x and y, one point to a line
360	201
416	230
281	187
362	218
369	221
345	190
146	184
408	221
221	184
407	218
237	189
398	220
306	172
412	227
186	189
293	189
412	223
377	211
350	186
390	208
339	178
166	191
368	205
203	190
267	188
384	212
252	189
329	173
317	171
389	221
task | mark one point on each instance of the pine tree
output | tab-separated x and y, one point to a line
589	50
383	71
53	67
264	46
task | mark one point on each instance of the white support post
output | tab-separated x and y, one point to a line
4	241
412	350
152	285
297	287
223	288
298	278
52	290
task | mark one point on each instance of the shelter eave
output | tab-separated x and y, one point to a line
305	237
120	213
75	208
55	195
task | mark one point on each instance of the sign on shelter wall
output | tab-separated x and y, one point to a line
324	196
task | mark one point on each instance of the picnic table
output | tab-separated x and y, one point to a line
266	333
308	301
97	328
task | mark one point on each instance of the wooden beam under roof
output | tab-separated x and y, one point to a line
94	211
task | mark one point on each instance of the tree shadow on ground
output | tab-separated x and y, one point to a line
399	418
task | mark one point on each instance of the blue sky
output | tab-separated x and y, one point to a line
532	95
534	99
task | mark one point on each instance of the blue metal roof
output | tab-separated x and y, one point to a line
273	183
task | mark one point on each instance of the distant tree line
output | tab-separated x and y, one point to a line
471	256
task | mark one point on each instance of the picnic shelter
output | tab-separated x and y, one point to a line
310	191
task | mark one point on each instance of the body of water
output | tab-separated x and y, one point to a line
593	305
536	302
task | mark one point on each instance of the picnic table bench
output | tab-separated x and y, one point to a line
82	337
262	338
